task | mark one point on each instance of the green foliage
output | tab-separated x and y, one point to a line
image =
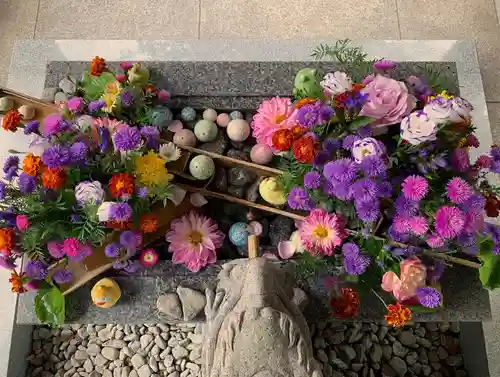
50	306
434	78
359	122
89	229
31	242
306	84
489	272
94	86
161	193
313	266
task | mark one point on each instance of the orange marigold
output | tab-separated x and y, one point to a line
121	185
345	305
113	224
6	240
305	149
53	178
150	89
398	315
304	101
283	139
11	120
32	164
148	223
97	66
17	282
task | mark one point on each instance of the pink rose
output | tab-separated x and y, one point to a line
22	222
388	101
413	275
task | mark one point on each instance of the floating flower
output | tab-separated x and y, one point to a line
341	170
336	83
150	170
22	222
321	232
356	264
121	186
31	127
194	240
418	128
460	159
148	224
56	156
36	270
418	225
52	125
449	221
412	276
384	65
298	198
149	257
27	183
17	282
398	315
169	152
75	250
364	190
282	139
32	164
272	115
112	250
367	147
312	180
458	190
120	212
346	304
415	187
62	276
87	192
312	115
151	135
7	236
11	120
97	66
53	178
429	297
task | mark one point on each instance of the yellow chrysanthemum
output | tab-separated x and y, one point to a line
150	170
444	94
111	93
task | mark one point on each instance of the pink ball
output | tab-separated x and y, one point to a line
261	154
185	138
238	130
223	120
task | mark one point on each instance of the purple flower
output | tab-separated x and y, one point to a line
372	166
311	115
31	127
96	105
364	190
342	170
112	250
62	276
322	157
10	162
75	104
7	262
349	140
3	190
127	138
405	206
460	159
312	180
429	297
365	131
130	240
476	201
350	248
105	144
27	183
495	153
11	173
56	156
384	189
78	151
133	267
120	264
151	134
142	192
356	264
368	211
356	101
396	236
127	98
338	189
384	65
75	218
9	217
120	212
298	198
36	270
52	125
331	145
435	272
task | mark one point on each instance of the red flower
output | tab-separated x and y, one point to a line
340	99
6	240
113	224
11	120
148	223
121	185
283	139
97	66
305	149
53	178
398	315
148	257
345	305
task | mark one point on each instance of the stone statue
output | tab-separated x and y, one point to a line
253	327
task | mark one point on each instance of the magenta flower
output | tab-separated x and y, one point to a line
458	190
75	104
418	225
401	224
163	95
460	159
449	221
474	221
384	65
435	241
75	250
22	222
415	187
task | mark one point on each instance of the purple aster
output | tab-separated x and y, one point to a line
56	156
298	198
429	297
495	154
398	237
365	131
308	116
130	239
120	264
151	134
350	248
36	270
78	151
475	201
97	105
112	250
372	166
105	144
127	138
322	157
494	231
405	206
9	217
3	190
312	180
27	183
7	262
133	267
339	190
435	272
127	98
52	125
325	113
10	162
31	127
120	212
384	189
331	145
356	264
142	192
11	173
349	141
341	170
62	276
368	211
356	101
364	190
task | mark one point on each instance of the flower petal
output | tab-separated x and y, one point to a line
286	249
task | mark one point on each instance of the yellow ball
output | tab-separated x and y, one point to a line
105	293
272	192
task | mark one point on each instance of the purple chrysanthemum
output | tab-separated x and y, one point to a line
396	236
458	190
368	211
365	131
415	187
142	192
105	143
56	156
3	190
364	190
27	183
406	207
78	151
9	162
372	166
130	240
298	198
474	221
62	276
75	104
341	170
339	190
429	297
384	189
350	248
133	267
356	264
449	221
331	145
120	212
95	106
308	116
475	201
495	153
127	98
31	127
151	135
11	173
356	101
36	270
349	141
127	138
312	180
322	157
112	250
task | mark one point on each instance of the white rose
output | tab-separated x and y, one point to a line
104	210
441	110
462	107
89	192
418	127
335	83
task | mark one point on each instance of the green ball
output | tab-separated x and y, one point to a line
202	167
205	130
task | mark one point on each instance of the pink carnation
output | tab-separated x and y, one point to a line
415	187
22	222
458	190
418	225
273	114
321	231
449	221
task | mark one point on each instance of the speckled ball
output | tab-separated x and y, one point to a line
188	114
205	130
238	234
235	115
161	117
185	138
223	120
210	114
6	104
202	167
238	130
261	154
28	112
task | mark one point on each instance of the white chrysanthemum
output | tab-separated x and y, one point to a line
169	152
336	83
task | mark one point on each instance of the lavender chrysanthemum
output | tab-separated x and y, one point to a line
475	201
312	180
112	250
406	207
368	211
127	98
331	145
339	190
56	156
95	106
429	297
341	170
322	157
308	116
356	264
78	151
120	212
62	276
458	190
350	248
127	138
36	270
384	189
142	192
349	141
151	134
3	190
298	198
130	240
105	143
31	127
372	166
27	183
364	190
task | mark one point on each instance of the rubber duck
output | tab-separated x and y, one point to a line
272	192
105	293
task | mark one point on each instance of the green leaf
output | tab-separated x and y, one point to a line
422	309
50	306
372	246
489	272
359	122
93	86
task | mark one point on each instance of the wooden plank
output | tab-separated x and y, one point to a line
42	108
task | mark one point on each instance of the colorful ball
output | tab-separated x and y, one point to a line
261	154
238	234
202	167
210	114
27	112
6	104
235	115
161	117
205	130
188	114
238	130
223	120
185	138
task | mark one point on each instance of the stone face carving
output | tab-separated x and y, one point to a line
253	328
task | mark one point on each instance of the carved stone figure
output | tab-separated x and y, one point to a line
253	328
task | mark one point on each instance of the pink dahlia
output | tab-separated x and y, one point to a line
458	190
194	240
435	241
418	225
322	231
415	187
272	115
449	221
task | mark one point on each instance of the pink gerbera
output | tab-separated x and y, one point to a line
418	225
458	190
194	240
449	221
415	187
435	241
274	114
322	231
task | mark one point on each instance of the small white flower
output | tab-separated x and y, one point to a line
418	127
441	110
336	83
169	152
367	147
89	192
104	210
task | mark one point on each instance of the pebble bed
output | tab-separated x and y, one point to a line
343	350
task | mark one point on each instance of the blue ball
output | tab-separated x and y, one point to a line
238	234
161	117
188	114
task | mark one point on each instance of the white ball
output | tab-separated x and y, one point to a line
6	104
205	130
27	112
238	130
202	167
210	114
185	138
